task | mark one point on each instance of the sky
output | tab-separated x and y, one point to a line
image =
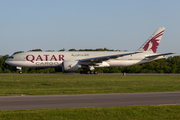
87	24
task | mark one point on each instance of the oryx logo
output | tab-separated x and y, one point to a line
153	43
70	66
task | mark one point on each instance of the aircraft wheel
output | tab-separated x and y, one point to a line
20	72
95	72
92	72
88	72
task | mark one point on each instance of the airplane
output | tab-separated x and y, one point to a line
89	60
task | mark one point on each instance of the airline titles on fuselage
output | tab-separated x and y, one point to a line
77	55
45	59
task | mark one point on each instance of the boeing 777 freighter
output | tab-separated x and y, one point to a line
87	60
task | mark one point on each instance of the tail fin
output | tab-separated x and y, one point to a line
152	43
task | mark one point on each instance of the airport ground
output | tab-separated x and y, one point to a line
64	84
24	85
165	112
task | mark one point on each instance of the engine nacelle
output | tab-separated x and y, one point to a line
70	66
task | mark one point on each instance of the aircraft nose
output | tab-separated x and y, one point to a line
7	61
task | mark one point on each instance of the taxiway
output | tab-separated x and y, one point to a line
88	100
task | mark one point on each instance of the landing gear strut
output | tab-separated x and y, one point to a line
20	69
89	70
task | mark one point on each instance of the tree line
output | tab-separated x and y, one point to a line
166	65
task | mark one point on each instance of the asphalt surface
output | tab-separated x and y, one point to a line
166	74
88	100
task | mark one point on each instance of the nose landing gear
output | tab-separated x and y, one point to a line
20	69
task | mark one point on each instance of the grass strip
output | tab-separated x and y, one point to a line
164	112
85	84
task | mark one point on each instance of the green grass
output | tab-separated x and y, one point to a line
85	84
166	112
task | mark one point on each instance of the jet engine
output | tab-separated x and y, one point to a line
70	66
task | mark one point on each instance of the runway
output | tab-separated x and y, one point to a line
120	74
88	100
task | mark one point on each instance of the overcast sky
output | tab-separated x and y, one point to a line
87	24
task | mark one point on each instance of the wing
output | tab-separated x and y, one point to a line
104	58
154	56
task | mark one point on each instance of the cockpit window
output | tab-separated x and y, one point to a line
11	57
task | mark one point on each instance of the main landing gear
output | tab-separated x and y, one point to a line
89	72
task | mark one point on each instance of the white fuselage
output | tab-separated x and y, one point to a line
55	59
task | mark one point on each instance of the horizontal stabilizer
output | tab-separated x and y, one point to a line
153	56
